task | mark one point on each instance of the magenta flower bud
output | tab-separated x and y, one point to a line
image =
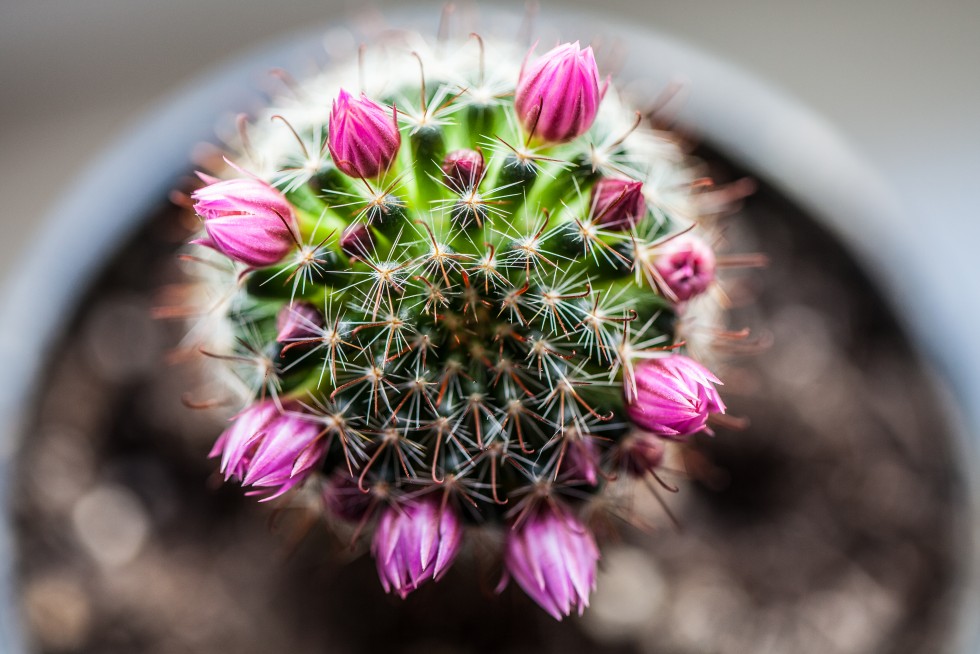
298	321
414	542
674	396
618	203
269	451
558	94
463	169
357	241
581	461
344	499
246	220
363	136
236	445
640	453
553	556
687	265
286	453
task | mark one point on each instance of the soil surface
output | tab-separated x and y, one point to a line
829	525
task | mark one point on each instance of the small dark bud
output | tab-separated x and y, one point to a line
463	169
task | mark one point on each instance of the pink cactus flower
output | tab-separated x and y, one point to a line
269	450
673	397
558	94
298	321
687	265
246	220
363	136
552	556
414	542
463	169
618	203
640	453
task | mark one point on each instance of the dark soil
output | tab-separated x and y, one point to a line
829	525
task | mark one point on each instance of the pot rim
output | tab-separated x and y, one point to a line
769	133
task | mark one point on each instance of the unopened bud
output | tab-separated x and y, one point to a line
463	169
618	203
298	321
363	136
246	220
687	265
558	94
357	241
674	396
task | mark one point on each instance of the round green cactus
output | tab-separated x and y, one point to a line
465	280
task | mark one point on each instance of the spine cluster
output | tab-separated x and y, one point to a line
456	302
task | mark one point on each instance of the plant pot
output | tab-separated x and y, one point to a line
778	141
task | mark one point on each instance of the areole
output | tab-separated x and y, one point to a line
737	114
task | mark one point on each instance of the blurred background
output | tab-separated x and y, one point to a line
813	544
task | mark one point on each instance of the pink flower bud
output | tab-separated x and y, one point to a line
236	445
246	220
674	396
687	265
414	542
269	451
298	321
552	556
363	136
463	169
618	203
357	241
343	497
581	461
640	453
558	94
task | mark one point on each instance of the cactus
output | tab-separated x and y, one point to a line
453	299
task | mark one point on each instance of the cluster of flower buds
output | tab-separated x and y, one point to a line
464	316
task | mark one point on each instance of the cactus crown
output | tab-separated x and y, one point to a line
461	309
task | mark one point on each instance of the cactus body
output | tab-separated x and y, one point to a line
465	305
